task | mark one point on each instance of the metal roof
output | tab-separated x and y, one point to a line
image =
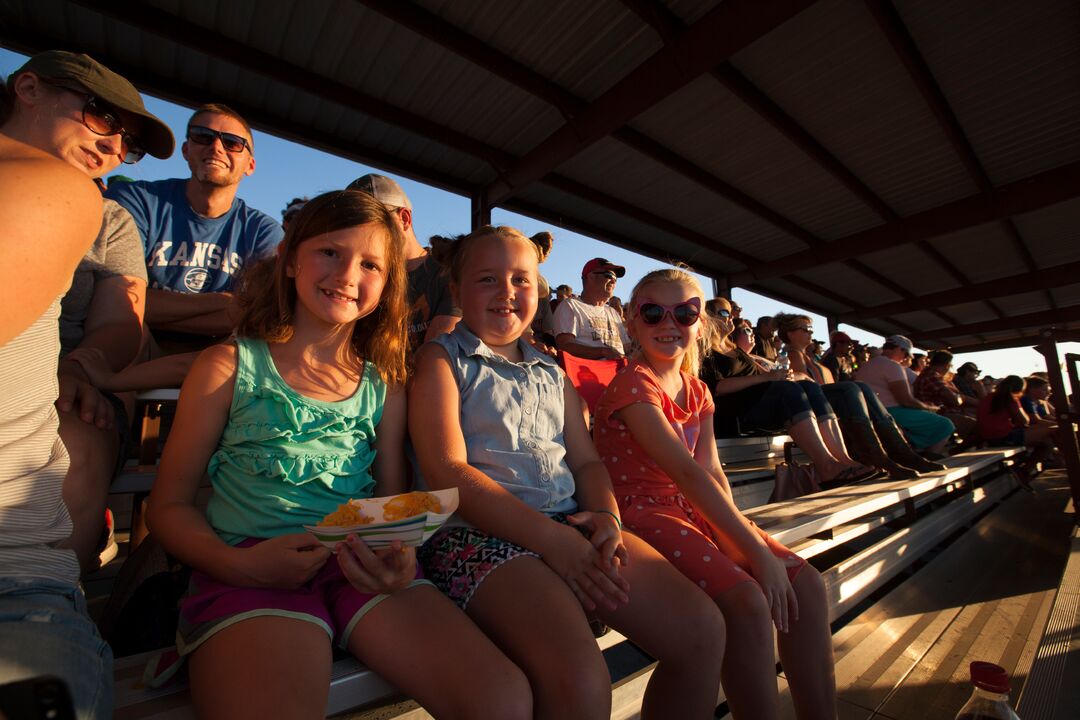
903	165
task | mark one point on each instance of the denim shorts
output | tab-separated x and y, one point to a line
45	630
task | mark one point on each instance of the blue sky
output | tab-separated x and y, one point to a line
285	170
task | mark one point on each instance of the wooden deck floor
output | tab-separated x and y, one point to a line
987	596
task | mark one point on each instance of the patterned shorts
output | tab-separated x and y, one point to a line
457	559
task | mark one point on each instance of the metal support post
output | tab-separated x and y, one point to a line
1066	419
481	211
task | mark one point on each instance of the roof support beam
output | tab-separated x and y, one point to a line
1043	319
722	32
1031	193
220	47
1028	340
888	19
1060	276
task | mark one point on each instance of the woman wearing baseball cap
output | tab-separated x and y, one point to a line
68	107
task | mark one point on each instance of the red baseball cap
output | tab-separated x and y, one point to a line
601	264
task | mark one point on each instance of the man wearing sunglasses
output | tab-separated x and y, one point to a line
66	107
587	326
197	234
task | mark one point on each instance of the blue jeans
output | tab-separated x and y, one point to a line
785	403
44	630
854	401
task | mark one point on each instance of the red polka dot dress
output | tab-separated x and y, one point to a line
651	505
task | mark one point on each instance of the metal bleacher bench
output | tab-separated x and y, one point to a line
887	525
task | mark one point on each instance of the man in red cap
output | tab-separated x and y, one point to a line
838	357
587	326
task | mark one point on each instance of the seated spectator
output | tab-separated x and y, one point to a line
59	106
744	336
616	302
294	206
1003	422
870	432
542	333
1036	399
197	234
838	358
431	307
561	293
932	387
817	349
736	310
587	326
765	338
720	307
752	397
927	431
102	310
915	364
967	382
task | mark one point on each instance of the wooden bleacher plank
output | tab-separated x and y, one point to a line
982	597
792	520
1057	661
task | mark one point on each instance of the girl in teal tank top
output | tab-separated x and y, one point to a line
305	410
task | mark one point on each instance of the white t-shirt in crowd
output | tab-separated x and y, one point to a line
592	325
878	373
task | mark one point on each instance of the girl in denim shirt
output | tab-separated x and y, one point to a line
537	548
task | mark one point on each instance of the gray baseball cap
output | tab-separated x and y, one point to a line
383	189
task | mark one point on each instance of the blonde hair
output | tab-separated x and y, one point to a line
267	295
691	361
451	252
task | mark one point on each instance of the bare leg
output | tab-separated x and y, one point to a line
806	435
86	485
834	441
806	651
532	615
676	623
749	663
263	667
460	674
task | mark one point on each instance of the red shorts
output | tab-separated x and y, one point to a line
672	526
327	600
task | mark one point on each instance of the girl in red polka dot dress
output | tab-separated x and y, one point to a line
654	431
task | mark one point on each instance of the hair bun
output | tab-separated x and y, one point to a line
543	241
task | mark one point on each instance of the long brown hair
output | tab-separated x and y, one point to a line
267	295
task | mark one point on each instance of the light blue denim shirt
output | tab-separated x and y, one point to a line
512	420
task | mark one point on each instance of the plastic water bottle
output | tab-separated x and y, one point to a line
783	362
990	697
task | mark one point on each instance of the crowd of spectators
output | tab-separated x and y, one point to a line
124	290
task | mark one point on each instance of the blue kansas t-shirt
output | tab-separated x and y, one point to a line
186	252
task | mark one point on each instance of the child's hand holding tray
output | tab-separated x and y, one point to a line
413	518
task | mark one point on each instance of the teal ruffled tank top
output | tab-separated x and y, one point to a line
286	460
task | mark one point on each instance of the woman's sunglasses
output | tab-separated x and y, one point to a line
685	313
102	120
205	136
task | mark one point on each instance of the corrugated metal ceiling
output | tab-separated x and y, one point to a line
842	117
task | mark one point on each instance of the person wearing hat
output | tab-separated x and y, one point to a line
926	430
103	309
89	120
197	234
967	381
432	308
586	326
838	357
291	209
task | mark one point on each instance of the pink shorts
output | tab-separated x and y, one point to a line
327	600
672	526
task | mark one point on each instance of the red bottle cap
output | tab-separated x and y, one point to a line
989	676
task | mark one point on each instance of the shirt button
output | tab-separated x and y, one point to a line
521	375
528	411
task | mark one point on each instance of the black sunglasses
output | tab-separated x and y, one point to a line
685	313
608	274
102	120
205	136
